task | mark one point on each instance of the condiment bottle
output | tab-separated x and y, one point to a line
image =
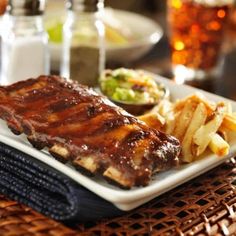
83	57
25	51
3	6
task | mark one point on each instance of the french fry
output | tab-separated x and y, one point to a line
229	122
218	145
197	123
153	120
229	109
170	122
197	98
223	133
183	120
198	119
203	135
163	108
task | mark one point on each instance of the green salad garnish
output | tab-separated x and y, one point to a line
131	86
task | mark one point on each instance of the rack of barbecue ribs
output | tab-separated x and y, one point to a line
81	127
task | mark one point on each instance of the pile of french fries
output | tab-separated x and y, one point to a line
198	124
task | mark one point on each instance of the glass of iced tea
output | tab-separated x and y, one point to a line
230	42
196	33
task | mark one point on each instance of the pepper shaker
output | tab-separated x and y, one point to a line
25	51
83	57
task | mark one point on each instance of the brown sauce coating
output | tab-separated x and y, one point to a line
54	112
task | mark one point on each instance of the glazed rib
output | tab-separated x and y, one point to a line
79	126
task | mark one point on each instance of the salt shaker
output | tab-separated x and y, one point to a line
25	51
83	57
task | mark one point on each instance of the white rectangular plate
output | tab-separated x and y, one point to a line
129	199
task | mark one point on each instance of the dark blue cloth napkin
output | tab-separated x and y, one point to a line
48	191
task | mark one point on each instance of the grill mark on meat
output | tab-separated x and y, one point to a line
135	136
113	123
19	89
76	129
136	145
80	126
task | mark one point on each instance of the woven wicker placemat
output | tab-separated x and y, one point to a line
203	206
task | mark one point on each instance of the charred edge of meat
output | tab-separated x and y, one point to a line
84	171
36	144
14	130
58	157
117	184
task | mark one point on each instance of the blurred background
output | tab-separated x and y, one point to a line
157	59
137	38
128	29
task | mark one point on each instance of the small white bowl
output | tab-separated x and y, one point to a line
146	34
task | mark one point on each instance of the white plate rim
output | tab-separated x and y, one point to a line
127	199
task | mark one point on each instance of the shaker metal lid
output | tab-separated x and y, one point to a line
85	5
26	7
